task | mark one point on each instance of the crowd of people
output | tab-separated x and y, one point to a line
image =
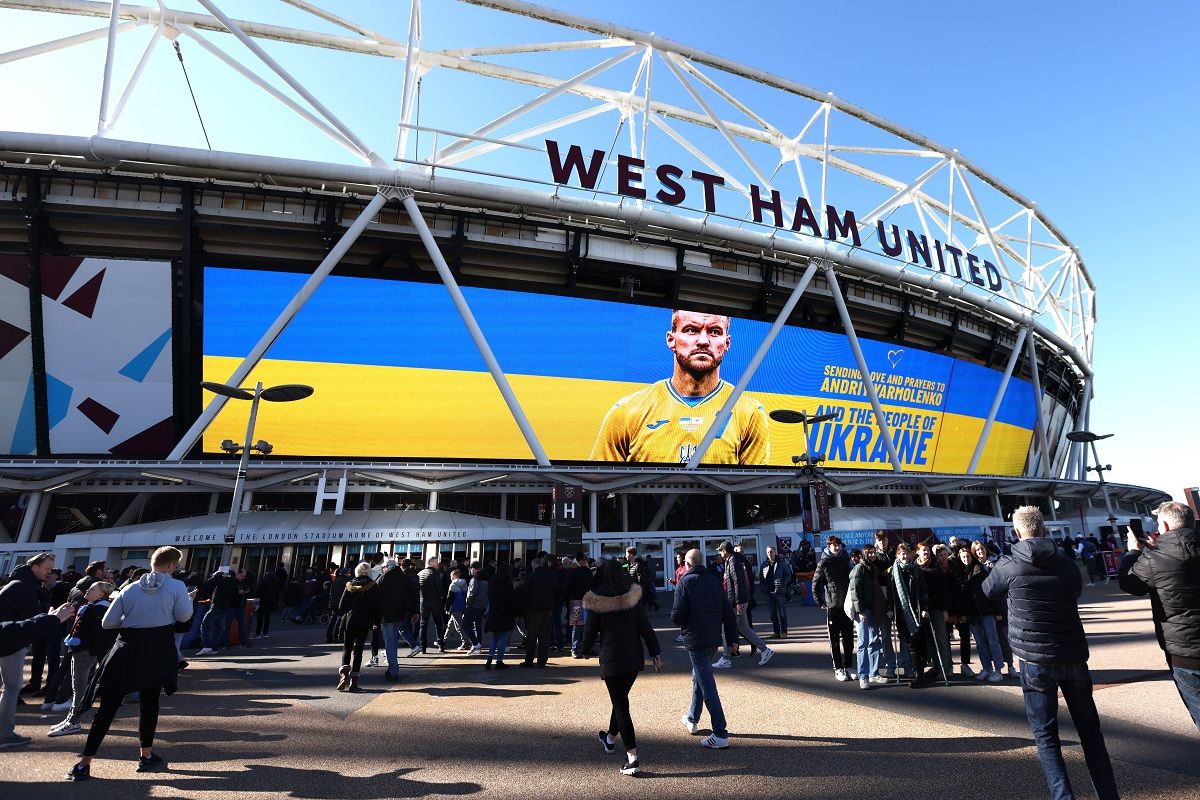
891	610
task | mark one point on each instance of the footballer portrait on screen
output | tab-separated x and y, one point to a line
666	421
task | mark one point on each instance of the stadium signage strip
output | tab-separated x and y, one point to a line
284	537
767	207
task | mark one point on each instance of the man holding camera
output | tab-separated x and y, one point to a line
1169	571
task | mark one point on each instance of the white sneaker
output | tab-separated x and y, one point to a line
996	677
374	662
714	742
840	674
878	680
765	657
852	676
722	663
207	651
65	728
692	727
983	676
680	638
475	649
864	683
1091	584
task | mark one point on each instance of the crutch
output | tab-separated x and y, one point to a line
937	652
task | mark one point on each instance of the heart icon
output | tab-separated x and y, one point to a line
894	357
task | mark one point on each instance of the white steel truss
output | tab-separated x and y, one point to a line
683	105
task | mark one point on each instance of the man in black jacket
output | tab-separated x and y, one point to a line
776	582
831	582
431	593
576	584
21	598
738	588
542	596
1170	573
702	610
398	608
223	612
1045	632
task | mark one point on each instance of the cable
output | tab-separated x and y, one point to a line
179	55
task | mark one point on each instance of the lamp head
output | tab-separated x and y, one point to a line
230	446
263	447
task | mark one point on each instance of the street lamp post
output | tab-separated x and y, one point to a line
808	463
1087	437
275	394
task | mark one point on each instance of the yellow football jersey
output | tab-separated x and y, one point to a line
657	424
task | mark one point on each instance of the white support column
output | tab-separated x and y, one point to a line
925	499
837	500
504	506
29	518
1037	403
133	510
884	429
213	499
593	512
726	411
247	500
1053	511
997	509
624	513
660	516
995	409
433	501
1085	416
109	57
464	310
289	312
729	511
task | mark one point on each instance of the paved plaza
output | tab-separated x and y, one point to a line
267	722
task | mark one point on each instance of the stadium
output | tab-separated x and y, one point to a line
485	274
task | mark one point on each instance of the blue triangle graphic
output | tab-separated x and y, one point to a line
139	366
24	441
58	400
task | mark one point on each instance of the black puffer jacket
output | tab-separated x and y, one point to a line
22	597
831	580
1172	571
397	596
360	605
618	619
1043	589
940	586
972	579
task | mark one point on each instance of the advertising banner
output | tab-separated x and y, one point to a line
397	376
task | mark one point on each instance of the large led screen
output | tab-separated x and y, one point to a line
397	376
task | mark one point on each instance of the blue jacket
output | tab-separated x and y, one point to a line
701	609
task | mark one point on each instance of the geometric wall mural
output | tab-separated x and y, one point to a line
18	435
107	329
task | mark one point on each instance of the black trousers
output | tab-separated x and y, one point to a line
964	643
263	625
45	654
620	722
840	627
537	635
109	705
432	614
352	649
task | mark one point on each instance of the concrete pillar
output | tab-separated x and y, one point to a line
728	511
433	501
624	513
213	499
837	500
925	499
997	510
1053	511
30	518
504	506
247	500
593	511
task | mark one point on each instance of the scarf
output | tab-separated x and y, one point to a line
901	575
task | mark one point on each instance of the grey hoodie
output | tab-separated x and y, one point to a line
155	600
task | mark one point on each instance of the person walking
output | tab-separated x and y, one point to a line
831	581
360	610
575	586
617	619
223	611
477	603
868	604
501	618
702	610
142	660
431	595
1169	572
397	609
1042	588
268	597
738	590
776	581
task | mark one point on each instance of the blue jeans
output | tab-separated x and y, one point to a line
870	644
577	637
1187	681
220	620
499	646
704	691
987	642
1040	685
473	620
391	632
778	611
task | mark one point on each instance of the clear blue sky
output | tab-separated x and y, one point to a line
1089	109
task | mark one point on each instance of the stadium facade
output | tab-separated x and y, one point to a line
470	310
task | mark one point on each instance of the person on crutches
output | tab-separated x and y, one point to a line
910	610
